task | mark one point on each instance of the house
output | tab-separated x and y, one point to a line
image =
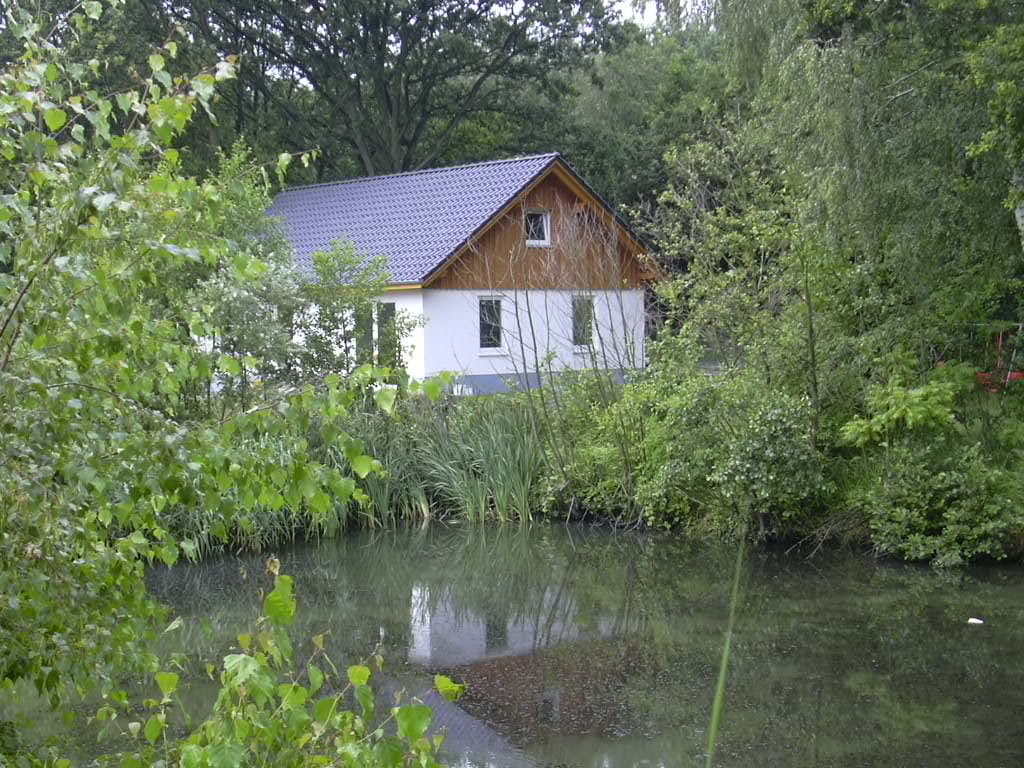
513	266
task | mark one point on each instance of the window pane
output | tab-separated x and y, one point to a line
536	226
364	334
490	323
387	335
582	321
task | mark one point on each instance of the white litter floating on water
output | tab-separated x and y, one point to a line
973	620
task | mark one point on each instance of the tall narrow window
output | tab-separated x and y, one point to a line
364	334
582	321
387	335
538	227
490	323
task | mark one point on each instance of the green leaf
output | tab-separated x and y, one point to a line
230	365
325	708
359	675
190	548
191	756
240	668
389	752
279	605
433	388
168	682
364	695
156	62
227	755
203	86
168	554
154	728
449	688
316	678
104	201
93	9
362	465
320	503
413	721
292	695
126	101
55	118
385	399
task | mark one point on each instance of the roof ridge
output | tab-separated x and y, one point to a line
358	179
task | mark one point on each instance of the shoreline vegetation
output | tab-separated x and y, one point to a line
704	456
835	189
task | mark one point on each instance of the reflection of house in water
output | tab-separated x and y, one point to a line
547	669
444	634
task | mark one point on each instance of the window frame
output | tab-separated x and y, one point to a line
498	348
545	215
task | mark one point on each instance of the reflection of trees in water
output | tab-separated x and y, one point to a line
838	660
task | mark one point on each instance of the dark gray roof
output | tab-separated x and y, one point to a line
416	220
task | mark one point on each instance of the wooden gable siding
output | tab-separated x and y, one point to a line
589	250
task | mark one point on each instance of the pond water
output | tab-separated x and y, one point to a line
590	648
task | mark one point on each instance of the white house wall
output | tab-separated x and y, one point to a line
536	332
409	306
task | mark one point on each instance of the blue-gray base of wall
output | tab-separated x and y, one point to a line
494	383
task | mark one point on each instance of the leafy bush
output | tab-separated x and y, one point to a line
929	489
928	503
683	449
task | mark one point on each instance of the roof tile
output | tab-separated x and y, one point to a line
415	220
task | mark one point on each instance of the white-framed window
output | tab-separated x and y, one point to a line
582	321
538	227
490	323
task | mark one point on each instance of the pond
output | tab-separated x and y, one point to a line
590	648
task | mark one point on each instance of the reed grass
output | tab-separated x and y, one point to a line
718	705
478	459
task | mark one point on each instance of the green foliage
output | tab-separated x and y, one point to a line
268	712
381	108
926	489
846	248
475	458
718	455
927	503
335	320
449	688
120	365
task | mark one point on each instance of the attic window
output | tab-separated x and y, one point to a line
538	228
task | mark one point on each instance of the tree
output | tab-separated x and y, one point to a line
997	65
393	81
845	239
102	344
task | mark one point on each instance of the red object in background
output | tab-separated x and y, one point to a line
996	381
